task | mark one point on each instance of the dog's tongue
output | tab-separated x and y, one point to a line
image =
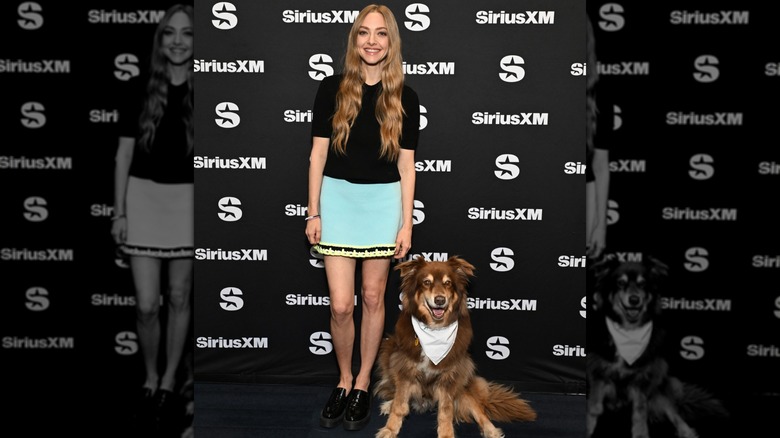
438	313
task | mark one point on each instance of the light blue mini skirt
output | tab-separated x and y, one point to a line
359	220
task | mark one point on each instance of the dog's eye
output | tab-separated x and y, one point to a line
622	283
427	282
447	282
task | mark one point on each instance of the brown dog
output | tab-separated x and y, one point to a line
428	367
626	366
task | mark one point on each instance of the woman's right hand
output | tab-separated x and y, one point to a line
119	230
314	230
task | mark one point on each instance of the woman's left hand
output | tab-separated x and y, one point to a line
403	243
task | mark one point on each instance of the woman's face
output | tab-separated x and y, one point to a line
177	39
372	39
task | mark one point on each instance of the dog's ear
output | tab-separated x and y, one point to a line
410	266
461	266
655	267
601	269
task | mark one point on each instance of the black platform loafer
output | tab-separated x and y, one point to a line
333	412
358	410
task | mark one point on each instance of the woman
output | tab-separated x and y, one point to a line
153	202
599	123
361	193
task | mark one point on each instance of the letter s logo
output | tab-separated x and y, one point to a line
231	212
507	164
498	348
512	70
223	11
692	348
320	64
229	117
33	115
697	259
37	299
706	68
30	19
701	167
126	66
231	299
418	20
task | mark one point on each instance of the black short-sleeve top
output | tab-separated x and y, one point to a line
361	164
168	161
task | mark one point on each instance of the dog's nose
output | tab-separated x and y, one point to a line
634	300
440	300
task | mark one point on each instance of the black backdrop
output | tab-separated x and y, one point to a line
67	323
495	192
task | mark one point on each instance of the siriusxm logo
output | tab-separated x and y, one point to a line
237	66
327	17
430	68
707	304
515	214
417	13
33	115
126	66
720	17
30	17
568	351
712	119
28	343
224	343
527	17
498	348
43	163
433	166
43	66
692	214
102	16
510	304
534	119
205	162
624	69
32	255
298	116
254	255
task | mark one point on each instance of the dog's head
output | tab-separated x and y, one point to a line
435	292
628	292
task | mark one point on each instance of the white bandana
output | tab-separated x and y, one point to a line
630	343
436	343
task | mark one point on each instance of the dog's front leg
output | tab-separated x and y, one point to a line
446	412
639	427
399	409
595	404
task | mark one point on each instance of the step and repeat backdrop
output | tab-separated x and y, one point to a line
67	318
695	173
694	178
500	181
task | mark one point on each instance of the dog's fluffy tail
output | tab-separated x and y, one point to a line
696	403
500	402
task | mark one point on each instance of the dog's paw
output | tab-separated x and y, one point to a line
384	408
385	433
494	433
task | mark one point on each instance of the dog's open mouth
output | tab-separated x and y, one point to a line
632	313
436	311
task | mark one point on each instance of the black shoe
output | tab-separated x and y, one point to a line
334	411
358	410
165	400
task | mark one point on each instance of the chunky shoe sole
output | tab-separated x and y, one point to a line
331	422
357	424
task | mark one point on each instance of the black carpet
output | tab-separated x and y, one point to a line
287	411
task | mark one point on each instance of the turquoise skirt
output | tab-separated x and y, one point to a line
359	220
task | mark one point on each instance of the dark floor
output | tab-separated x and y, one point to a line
285	411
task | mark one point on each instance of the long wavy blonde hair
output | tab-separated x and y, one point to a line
157	88
592	78
389	110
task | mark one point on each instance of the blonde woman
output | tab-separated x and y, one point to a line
153	221
361	190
